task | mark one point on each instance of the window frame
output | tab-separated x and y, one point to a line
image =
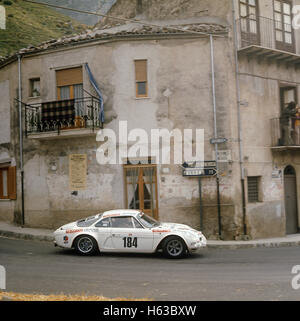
121	217
65	84
258	187
11	182
283	45
102	219
285	87
31	86
2	169
139	81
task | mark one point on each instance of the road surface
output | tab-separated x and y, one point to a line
243	274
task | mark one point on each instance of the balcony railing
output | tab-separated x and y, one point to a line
265	32
58	116
285	132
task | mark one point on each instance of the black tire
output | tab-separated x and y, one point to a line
174	247
85	245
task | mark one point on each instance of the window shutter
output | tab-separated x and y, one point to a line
141	70
141	78
12	183
69	77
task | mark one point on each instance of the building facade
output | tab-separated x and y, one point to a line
157	76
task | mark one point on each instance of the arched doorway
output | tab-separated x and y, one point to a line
291	204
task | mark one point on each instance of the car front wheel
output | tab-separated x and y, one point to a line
85	245
174	247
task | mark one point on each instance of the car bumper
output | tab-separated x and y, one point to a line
197	246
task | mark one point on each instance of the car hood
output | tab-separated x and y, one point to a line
176	226
69	226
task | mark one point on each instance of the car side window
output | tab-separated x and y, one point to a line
103	223
137	224
122	222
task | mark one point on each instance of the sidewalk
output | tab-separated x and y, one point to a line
10	230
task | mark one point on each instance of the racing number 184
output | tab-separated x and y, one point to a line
130	242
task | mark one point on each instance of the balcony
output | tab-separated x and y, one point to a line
62	119
284	134
266	38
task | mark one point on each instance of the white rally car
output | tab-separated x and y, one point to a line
128	231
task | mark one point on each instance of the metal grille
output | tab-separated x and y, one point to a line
253	189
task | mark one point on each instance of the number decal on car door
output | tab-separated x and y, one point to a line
130	242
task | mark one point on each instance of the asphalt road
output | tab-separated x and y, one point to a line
244	274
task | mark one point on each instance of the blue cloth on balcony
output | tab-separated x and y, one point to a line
98	91
58	111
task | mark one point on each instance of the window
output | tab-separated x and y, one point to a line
8	183
137	224
287	95
141	78
253	189
122	222
249	15
69	83
283	25
103	223
34	87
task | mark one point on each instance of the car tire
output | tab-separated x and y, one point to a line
85	245
174	247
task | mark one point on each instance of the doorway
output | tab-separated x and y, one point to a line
291	204
141	188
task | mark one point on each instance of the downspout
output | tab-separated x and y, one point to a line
212	60
238	94
21	140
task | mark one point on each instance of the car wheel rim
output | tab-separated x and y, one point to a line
175	248
85	245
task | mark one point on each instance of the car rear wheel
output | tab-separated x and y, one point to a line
174	247
85	245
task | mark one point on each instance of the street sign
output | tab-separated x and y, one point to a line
218	140
198	165
199	172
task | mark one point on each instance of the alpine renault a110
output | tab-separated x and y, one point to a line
129	231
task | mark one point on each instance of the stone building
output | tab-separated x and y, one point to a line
158	75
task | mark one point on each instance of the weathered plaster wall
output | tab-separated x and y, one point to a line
180	67
260	88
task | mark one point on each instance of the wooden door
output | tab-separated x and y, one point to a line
291	206
141	188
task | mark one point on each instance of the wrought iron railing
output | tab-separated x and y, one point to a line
285	131
62	115
265	32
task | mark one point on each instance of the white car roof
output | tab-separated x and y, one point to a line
121	213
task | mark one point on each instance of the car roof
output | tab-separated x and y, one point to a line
121	213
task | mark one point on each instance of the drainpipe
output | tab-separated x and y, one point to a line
212	59
238	93
21	140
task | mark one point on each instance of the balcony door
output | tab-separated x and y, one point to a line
284	34
249	22
141	188
69	84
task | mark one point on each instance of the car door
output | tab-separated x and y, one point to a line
103	228
126	237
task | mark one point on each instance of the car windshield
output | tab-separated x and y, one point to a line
147	220
88	221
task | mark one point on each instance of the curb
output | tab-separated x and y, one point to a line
213	245
253	245
25	236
